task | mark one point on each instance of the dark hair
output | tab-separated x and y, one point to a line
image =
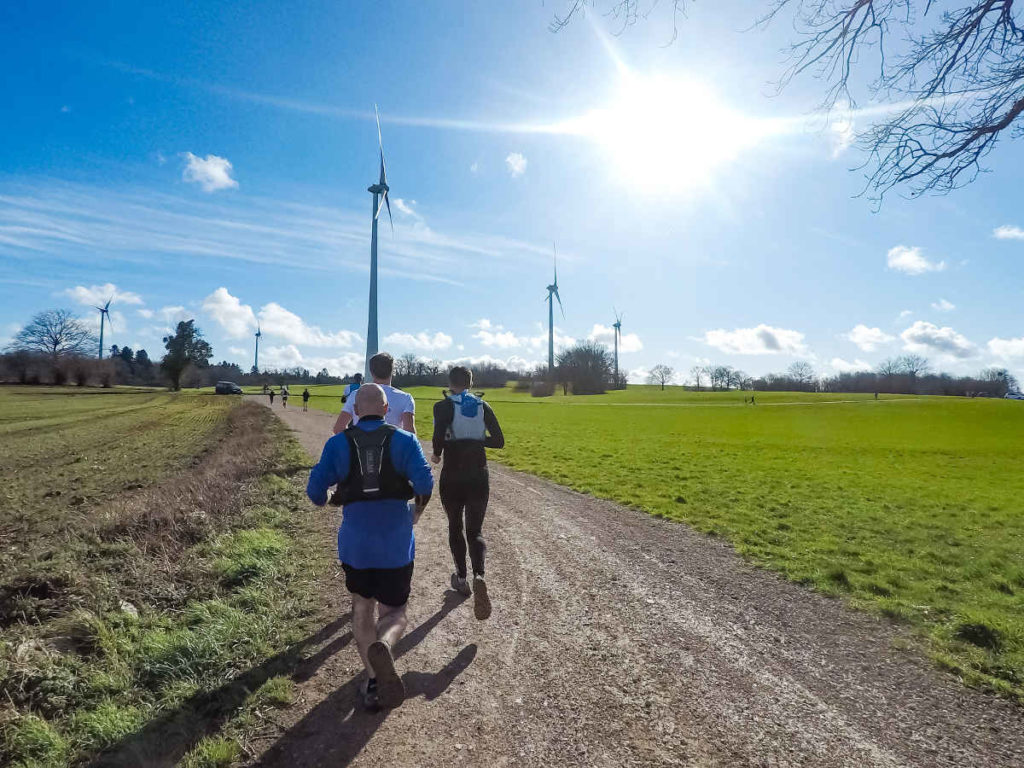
460	377
381	365
357	377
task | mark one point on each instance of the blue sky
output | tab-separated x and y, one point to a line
211	161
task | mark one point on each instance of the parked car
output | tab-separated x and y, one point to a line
227	388
1014	395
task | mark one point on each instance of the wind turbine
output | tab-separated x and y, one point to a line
617	327
256	361
104	316
380	199
553	291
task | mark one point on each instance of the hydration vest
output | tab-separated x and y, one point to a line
371	475
467	418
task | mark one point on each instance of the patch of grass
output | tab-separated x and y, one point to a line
213	752
153	605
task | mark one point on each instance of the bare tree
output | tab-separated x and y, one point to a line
697	372
660	374
55	332
954	77
801	371
913	365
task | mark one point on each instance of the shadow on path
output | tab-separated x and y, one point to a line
337	729
163	741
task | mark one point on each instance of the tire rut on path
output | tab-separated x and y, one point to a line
618	639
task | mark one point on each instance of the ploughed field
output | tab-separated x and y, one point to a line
913	507
151	550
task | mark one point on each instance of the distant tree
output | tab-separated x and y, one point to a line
115	351
186	346
126	355
697	372
952	71
142	359
587	366
55	332
802	374
913	365
889	368
660	374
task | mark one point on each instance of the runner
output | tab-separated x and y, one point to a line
377	469
271	393
305	399
284	395
401	406
357	379
463	426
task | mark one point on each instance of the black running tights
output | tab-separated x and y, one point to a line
465	498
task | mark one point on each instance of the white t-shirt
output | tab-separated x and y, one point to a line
349	389
399	402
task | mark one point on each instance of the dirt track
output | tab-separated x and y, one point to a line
622	640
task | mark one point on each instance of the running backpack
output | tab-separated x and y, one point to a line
371	475
467	418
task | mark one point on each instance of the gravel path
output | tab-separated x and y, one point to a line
621	640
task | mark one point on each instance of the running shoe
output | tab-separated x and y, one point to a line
371	698
461	585
481	601
390	688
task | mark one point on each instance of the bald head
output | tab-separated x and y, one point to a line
371	400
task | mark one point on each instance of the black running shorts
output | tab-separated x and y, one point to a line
388	586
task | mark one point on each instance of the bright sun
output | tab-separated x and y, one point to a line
667	133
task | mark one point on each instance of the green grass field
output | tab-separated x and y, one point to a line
908	506
156	583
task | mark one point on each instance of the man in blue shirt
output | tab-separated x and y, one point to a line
378	468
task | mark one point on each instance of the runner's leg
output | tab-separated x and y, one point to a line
391	624
364	627
453	503
477	493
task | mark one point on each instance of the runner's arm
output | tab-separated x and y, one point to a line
325	473
442	420
345	417
495	437
409	421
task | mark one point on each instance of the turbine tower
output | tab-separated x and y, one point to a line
553	291
380	199
256	361
617	327
104	316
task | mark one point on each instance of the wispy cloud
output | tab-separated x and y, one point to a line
928	338
82	223
604	334
942	305
1008	232
423	341
868	338
760	340
516	163
99	294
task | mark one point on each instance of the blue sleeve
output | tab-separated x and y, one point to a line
410	461
330	470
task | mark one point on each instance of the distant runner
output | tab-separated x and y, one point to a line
305	399
271	393
357	380
463	426
401	406
377	469
284	396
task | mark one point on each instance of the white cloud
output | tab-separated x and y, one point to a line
906	313
483	324
98	294
1007	349
421	341
289	356
237	319
211	173
943	306
146	313
910	261
1008	232
762	340
924	338
516	163
173	315
868	338
842	130
277	321
603	334
843	366
498	338
239	351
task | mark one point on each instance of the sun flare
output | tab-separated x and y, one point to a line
668	133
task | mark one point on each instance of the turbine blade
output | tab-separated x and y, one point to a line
560	303
387	200
380	144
